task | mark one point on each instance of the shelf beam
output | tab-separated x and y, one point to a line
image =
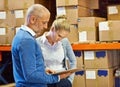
96	46
5	48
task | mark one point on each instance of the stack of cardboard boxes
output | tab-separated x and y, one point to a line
98	65
109	30
81	13
97	68
12	14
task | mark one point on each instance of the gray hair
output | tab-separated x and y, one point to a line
36	10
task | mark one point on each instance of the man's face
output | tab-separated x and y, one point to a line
41	24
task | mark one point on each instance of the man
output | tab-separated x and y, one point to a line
28	63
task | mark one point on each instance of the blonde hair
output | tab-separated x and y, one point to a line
61	23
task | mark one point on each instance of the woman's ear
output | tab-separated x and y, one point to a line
52	28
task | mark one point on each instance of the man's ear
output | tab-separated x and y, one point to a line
33	19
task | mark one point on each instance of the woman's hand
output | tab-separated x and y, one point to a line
62	76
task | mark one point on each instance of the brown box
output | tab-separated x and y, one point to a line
116	58
6	19
90	21
3	5
113	12
73	35
92	4
7	24
6	35
98	59
79	59
21	4
109	30
73	13
88	35
88	28
99	78
91	77
19	16
79	79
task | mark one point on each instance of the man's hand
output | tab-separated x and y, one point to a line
49	71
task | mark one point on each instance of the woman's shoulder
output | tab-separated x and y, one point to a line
65	41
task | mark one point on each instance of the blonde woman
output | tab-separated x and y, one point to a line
56	49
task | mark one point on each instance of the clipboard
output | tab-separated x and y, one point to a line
66	71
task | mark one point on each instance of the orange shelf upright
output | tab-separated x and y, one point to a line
96	46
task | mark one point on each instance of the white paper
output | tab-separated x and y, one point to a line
2	15
61	11
19	14
89	55
112	10
82	36
103	26
17	28
2	31
90	74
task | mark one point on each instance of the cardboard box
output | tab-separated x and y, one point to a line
79	58
88	35
6	19
3	5
90	21
88	28
73	35
113	12
98	59
92	4
79	79
21	4
6	35
19	16
109	30
73	13
116	58
99	78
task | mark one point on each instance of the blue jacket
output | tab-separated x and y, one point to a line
28	63
68	51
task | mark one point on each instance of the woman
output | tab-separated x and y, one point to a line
56	49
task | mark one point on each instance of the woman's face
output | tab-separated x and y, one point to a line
59	35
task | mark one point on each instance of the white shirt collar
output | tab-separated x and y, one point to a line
44	39
24	27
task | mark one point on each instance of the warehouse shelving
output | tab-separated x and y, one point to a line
4	48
